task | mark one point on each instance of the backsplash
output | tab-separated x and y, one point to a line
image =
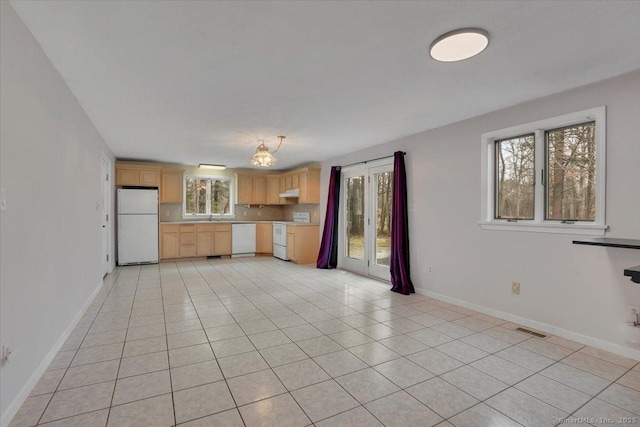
314	210
254	213
171	212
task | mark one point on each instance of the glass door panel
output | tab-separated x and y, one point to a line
384	185
354	218
380	226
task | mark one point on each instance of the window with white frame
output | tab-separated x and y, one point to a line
208	196
546	176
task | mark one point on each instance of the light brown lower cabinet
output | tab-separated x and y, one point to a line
169	241
223	241
194	240
187	240
264	238
303	243
205	239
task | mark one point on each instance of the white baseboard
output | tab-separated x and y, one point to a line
544	327
14	406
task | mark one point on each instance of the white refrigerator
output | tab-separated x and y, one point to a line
137	226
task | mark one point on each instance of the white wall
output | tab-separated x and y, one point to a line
580	289
50	235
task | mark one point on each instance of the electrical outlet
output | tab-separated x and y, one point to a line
515	288
430	269
633	313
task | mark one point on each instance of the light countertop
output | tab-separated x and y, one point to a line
231	221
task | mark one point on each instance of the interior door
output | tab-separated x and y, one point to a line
366	220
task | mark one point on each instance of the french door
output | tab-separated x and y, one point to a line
366	220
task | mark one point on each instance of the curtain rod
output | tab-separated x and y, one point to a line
371	160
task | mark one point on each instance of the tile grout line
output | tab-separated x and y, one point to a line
115	384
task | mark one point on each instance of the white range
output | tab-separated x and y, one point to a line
280	234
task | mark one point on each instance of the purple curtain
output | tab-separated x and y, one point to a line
328	255
399	262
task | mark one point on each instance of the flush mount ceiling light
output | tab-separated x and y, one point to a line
263	157
214	167
459	44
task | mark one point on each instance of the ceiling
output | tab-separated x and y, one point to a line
201	82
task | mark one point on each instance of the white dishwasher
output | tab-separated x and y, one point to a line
243	240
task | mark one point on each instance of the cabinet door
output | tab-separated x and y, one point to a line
264	238
294	181
204	243
222	242
273	190
287	182
291	246
259	191
149	178
127	177
245	190
171	189
170	247
303	179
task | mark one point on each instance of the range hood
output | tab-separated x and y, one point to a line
293	193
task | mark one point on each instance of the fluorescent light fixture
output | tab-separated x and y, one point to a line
214	167
458	45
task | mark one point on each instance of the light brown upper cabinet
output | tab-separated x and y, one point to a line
171	188
291	180
137	175
273	191
259	196
309	185
245	190
266	189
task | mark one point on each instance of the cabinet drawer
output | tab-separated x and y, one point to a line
169	228
223	227
204	227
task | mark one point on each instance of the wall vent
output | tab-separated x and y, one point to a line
535	334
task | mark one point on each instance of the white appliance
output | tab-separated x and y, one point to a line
243	240
137	226
280	234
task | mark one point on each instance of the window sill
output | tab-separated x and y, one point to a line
580	229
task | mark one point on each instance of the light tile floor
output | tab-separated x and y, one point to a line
262	342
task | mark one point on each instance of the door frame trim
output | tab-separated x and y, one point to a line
110	210
348	172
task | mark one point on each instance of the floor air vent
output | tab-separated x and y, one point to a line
527	331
